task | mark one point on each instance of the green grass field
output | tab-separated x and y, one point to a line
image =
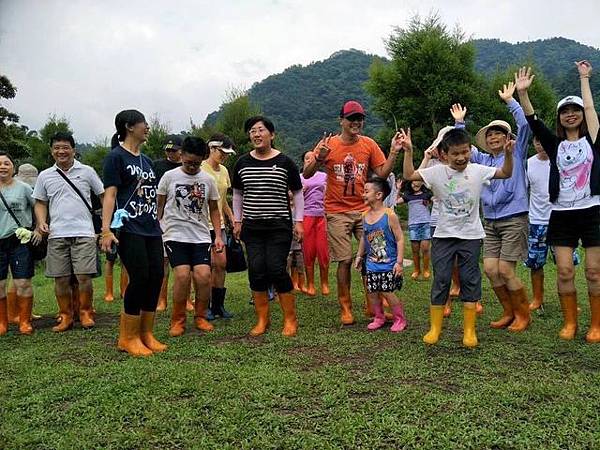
329	387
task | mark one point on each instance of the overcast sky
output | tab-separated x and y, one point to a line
87	60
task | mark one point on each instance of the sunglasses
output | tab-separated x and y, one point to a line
355	118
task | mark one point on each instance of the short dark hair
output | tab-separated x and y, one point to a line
381	185
454	138
226	140
255	119
62	136
194	146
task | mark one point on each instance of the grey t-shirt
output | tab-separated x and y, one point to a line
69	217
19	199
186	216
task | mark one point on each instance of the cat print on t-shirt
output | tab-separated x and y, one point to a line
574	160
190	198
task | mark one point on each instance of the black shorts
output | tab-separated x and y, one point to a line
187	254
567	228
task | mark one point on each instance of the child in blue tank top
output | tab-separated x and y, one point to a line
382	245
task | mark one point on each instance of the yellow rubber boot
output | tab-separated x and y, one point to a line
436	317
146	332
129	336
469	321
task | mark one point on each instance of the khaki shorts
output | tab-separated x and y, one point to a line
506	239
340	228
66	256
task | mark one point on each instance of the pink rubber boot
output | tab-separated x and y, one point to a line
399	319
378	319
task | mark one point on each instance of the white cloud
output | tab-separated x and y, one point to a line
87	60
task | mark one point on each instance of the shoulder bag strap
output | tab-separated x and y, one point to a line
70	183
10	211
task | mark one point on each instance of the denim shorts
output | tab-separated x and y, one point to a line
419	232
537	252
17	256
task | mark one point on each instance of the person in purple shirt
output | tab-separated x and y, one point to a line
315	230
505	210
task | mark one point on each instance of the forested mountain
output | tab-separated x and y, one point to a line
304	101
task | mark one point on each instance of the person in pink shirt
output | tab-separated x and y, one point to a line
315	229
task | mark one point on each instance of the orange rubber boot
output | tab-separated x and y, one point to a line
295	278
108	288
12	307
178	318
86	310
3	316
65	311
147	332
455	286
201	305
287	301
507	314
261	307
537	285
593	334
568	305
129	336
345	301
520	306
324	272
25	306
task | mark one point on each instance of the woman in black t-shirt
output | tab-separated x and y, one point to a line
263	220
130	183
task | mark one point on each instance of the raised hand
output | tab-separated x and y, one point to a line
402	140
509	145
458	112
507	91
323	149
584	68
523	78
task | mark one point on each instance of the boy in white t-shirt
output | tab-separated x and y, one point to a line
459	230
538	174
185	197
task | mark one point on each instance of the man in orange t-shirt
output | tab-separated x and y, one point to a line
347	158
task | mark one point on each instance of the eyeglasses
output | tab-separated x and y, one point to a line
355	118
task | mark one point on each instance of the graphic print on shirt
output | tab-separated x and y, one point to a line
377	246
348	172
190	199
574	161
458	202
145	203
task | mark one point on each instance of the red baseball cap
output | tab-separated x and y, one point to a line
350	108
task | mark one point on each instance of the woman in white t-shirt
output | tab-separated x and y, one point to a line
574	188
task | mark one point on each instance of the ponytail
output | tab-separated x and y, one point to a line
114	142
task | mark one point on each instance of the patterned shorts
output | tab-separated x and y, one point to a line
537	252
419	232
383	282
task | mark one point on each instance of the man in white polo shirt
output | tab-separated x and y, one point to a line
71	240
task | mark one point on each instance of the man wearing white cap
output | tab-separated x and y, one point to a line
220	147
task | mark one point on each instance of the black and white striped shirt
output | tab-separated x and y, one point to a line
265	185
